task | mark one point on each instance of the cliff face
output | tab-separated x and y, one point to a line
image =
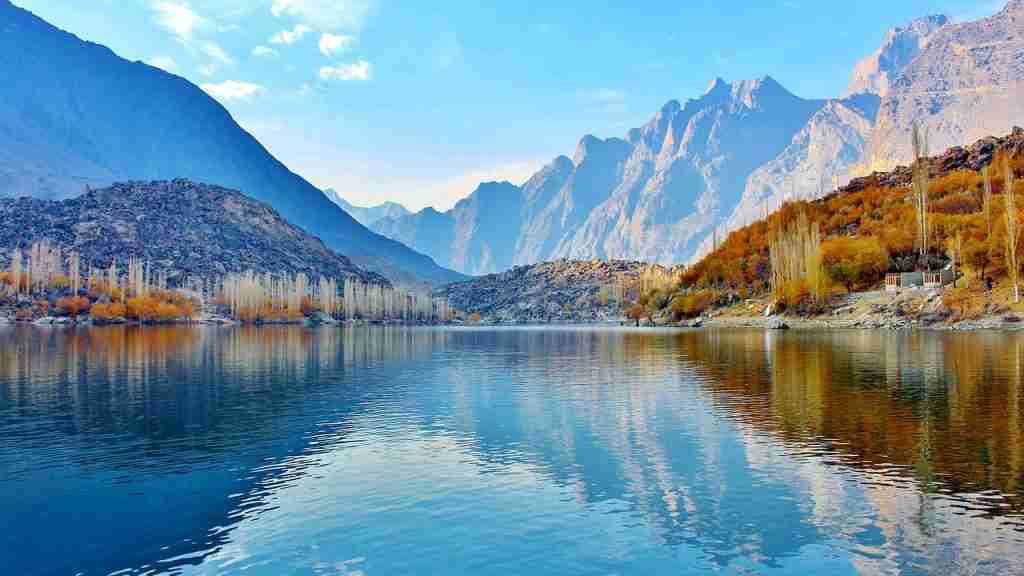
876	73
964	84
180	227
74	114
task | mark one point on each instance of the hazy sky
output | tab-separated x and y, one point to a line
418	101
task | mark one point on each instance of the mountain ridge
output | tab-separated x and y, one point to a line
367	215
63	127
701	167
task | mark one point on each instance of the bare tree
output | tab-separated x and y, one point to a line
986	199
1012	232
919	141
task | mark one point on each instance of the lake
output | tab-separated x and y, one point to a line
390	450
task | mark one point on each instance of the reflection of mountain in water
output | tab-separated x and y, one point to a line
903	450
915	435
188	425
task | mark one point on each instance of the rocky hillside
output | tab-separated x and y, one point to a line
706	166
180	227
74	114
557	291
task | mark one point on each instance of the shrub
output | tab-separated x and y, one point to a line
855	262
693	304
111	311
977	253
636	312
964	302
73	305
159	307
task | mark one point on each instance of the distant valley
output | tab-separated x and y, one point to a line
369	215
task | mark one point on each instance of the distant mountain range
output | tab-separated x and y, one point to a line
74	115
698	169
367	216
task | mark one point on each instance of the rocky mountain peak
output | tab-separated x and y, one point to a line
591	146
875	74
759	92
1014	7
716	85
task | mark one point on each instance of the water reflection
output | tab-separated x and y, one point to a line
415	450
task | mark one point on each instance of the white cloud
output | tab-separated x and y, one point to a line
178	18
230	90
163	62
332	44
263	51
325	14
290	36
355	71
213	50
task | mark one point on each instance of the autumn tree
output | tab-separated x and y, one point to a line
855	262
72	305
636	312
976	253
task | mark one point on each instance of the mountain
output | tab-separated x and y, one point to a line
476	236
875	73
650	195
960	81
367	216
182	228
964	84
75	115
667	190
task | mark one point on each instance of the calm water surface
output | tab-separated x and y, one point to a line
378	451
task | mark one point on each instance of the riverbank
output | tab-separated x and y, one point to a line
921	308
206	320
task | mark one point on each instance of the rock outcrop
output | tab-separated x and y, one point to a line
182	228
551	292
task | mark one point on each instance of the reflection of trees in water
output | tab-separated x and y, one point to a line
883	428
136	407
922	428
947	405
835	434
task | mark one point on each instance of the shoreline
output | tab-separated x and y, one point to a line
991	323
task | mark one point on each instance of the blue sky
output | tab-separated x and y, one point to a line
418	101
